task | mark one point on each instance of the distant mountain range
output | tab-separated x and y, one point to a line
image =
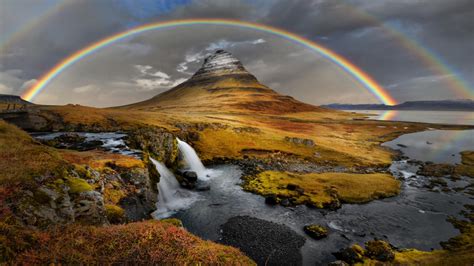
443	105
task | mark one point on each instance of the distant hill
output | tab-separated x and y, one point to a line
443	105
223	83
12	99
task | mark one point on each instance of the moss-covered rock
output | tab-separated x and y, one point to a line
115	214
316	231
158	142
351	255
379	250
78	185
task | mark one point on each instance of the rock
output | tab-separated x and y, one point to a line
158	142
299	141
436	170
351	255
379	250
316	231
271	200
338	263
285	202
190	176
202	186
267	243
89	208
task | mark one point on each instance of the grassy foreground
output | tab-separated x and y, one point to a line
27	165
150	242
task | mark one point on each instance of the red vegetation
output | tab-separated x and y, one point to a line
150	242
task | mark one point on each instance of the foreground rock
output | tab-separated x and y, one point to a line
265	242
316	231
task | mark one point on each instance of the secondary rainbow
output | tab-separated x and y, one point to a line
340	61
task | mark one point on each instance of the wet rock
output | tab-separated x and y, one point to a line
202	186
316	231
351	255
158	142
271	200
379	250
291	186
332	205
190	176
267	243
338	263
436	170
285	202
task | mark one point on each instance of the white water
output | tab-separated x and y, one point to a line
192	160
171	197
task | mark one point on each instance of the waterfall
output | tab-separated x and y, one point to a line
171	197
192	160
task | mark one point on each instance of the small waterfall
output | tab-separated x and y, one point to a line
171	197
192	160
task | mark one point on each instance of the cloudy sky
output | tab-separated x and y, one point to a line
36	34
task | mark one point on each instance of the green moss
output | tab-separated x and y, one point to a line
82	171
173	221
78	185
113	195
316	231
115	214
379	250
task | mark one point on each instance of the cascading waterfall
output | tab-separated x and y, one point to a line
192	160
171	197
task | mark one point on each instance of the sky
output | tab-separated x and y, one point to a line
37	34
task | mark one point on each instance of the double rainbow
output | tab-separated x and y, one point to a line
340	61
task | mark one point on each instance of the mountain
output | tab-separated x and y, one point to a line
222	82
443	105
12	99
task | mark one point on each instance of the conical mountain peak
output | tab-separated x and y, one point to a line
220	63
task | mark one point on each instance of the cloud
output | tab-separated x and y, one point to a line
445	27
5	90
151	79
196	57
86	89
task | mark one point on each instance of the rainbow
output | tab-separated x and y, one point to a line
427	57
340	61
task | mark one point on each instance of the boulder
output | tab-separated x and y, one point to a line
379	250
271	200
351	255
316	231
190	176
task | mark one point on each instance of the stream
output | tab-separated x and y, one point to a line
414	219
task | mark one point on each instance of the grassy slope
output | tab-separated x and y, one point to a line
22	158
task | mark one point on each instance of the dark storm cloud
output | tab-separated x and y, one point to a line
446	27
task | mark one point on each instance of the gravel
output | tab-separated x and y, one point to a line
267	243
